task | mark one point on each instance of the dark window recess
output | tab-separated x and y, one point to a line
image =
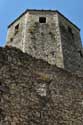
63	28
70	31
16	29
42	19
81	53
11	39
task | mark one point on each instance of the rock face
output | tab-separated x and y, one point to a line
32	92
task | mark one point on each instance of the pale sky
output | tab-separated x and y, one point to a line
11	9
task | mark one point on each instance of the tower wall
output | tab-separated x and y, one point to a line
41	40
48	35
15	38
71	45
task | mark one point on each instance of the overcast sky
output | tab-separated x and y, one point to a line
11	9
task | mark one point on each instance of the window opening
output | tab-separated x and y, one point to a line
42	19
11	39
16	29
70	31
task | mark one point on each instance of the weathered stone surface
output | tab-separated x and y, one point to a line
32	92
71	44
41	40
56	41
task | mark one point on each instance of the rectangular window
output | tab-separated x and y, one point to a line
11	39
70	31
16	29
42	19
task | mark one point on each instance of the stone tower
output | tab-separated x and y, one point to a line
47	35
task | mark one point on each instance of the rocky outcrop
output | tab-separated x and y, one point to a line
32	92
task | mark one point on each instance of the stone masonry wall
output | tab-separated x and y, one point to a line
43	39
16	40
71	45
32	92
57	41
